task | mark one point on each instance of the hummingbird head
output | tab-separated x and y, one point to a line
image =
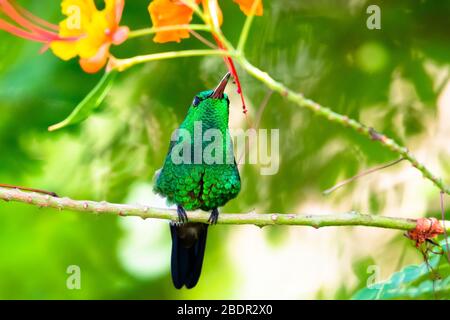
211	105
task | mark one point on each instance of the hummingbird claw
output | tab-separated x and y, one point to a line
214	216
182	216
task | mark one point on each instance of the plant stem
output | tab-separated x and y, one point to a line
148	31
359	175
251	218
246	28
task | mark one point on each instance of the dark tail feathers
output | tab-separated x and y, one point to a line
188	249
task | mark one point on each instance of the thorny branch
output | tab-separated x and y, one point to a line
251	218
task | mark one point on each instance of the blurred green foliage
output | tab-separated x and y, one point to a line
321	48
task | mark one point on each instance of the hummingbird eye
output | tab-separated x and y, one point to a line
196	101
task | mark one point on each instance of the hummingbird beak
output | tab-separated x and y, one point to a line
218	92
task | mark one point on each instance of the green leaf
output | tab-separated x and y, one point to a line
412	282
89	103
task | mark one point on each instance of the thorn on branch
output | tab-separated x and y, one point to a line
345	120
376	136
316	225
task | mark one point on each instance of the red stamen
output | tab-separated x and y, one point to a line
33	18
20	33
230	64
11	12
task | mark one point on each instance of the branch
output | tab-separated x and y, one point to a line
360	175
153	30
251	218
123	64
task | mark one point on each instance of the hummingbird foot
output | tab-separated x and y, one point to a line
214	216
182	216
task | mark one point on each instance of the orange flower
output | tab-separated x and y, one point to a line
168	13
165	13
94	30
175	12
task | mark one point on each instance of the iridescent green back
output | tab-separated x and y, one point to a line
201	182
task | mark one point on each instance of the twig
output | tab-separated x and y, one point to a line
246	28
203	39
251	218
149	31
123	64
262	108
359	175
9	186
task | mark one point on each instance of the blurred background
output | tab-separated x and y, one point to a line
395	79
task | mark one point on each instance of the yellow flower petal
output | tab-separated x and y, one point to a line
246	6
79	16
65	50
86	6
95	36
113	10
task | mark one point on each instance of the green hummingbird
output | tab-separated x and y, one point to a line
206	178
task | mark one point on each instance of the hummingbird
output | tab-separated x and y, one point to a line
198	184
